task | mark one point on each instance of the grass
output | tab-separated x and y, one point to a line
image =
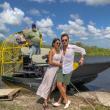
97	107
94	50
5	106
27	100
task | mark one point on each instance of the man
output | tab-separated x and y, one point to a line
20	38
34	39
64	74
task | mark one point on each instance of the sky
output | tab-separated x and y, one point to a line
86	21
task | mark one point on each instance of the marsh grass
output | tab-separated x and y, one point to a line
6	106
97	107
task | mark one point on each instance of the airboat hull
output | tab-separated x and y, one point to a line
84	74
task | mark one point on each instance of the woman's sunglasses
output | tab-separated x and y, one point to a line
58	43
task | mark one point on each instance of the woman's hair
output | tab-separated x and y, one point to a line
54	40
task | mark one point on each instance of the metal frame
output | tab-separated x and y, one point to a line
11	59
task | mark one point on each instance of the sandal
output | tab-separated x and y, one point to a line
45	107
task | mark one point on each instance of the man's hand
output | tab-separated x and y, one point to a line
81	61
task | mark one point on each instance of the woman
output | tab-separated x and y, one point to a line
45	87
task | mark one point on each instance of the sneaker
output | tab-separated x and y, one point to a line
56	104
67	104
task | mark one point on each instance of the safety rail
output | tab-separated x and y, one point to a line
10	56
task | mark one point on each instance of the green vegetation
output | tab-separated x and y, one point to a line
91	50
6	106
46	46
97	107
94	50
15	106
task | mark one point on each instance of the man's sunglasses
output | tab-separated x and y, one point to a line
65	40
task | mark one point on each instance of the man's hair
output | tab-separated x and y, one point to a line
63	35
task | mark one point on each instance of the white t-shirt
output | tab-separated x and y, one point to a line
68	58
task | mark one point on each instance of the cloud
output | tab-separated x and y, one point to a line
3	28
94	31
34	12
94	2
74	27
63	1
45	11
88	2
45	25
27	20
106	32
92	23
99	33
11	16
74	16
2	36
37	12
5	5
42	1
84	38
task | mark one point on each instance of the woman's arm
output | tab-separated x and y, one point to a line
51	62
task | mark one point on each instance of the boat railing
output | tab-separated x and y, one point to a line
9	57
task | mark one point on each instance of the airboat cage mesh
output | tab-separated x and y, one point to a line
11	53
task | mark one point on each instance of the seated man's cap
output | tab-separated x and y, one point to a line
33	25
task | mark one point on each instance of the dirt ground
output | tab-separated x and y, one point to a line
27	100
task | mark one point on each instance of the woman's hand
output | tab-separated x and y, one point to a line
60	65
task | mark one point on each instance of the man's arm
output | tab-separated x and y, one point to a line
81	61
81	51
41	40
40	35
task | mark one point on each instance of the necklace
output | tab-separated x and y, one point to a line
57	50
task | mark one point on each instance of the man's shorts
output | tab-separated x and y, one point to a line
64	78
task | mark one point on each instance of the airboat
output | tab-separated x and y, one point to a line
15	65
